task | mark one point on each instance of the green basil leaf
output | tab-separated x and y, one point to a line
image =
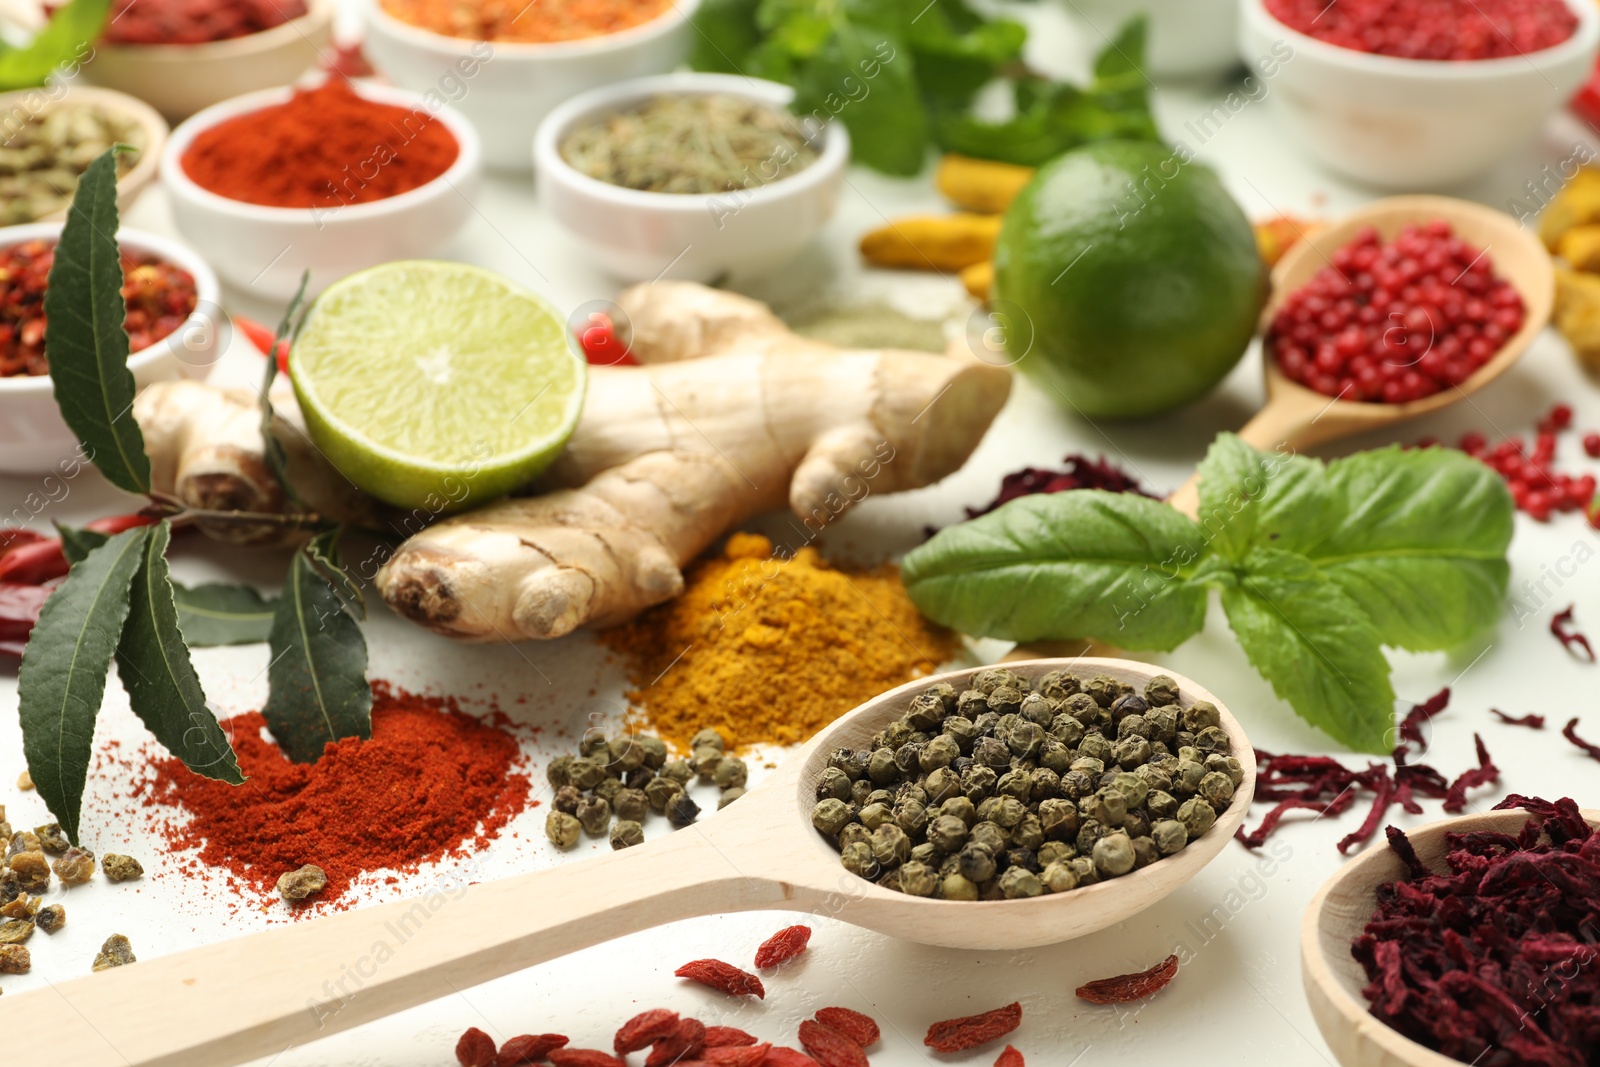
1111	566
84	340
217	613
724	31
864	76
63	677
153	663
64	43
1419	540
77	543
318	673
1313	642
1252	499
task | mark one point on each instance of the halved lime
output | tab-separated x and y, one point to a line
436	385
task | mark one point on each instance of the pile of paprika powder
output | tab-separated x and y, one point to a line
323	148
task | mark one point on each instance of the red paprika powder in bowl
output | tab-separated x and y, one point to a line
331	179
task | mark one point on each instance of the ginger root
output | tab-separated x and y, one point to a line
730	415
932	242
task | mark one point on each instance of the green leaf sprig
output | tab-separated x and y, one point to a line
1319	567
64	42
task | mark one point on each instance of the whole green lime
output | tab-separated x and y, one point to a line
1132	276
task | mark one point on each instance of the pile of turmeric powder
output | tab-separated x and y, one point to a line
765	650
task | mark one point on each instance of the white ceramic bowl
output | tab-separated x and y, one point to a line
266	249
24	102
641	236
1417	125
1189	40
513	85
180	79
33	439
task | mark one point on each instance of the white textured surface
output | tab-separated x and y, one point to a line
1238	997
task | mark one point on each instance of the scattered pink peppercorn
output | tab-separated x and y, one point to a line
1536	486
1432	29
1395	321
1591	445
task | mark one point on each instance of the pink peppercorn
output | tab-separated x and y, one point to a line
1591	445
1432	29
1396	321
1536	487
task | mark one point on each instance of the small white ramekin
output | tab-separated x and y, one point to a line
33	437
513	85
639	236
1413	124
264	250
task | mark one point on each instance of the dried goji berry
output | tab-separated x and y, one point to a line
830	1048
1009	1057
1126	987
528	1048
723	977
726	1036
852	1024
583	1057
736	1056
782	946
475	1049
686	1042
644	1029
783	1056
953	1035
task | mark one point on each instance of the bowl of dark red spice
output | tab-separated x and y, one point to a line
1419	94
332	179
173	323
184	55
1472	940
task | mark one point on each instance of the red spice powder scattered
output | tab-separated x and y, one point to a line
324	148
431	782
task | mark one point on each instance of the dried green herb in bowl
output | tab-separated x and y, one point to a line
691	144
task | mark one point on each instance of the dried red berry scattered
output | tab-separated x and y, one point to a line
645	1029
1537	488
1485	773
736	1055
1081	473
475	1049
852	1024
1591	445
528	1048
782	946
723	977
583	1057
1570	732
1530	720
1130	987
1412	727
685	1042
783	1056
1009	1057
830	1048
1561	625
953	1035
726	1036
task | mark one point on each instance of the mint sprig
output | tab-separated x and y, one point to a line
1319	567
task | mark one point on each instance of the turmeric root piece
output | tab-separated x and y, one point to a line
980	185
1576	204
932	242
1275	236
669	456
1577	315
1580	247
978	279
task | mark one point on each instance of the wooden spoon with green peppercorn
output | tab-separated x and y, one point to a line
255	996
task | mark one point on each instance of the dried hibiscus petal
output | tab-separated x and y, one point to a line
1561	625
723	977
782	946
1570	732
1412	726
1485	773
475	1049
645	1029
852	1024
1009	1057
953	1035
726	1036
1129	987
528	1048
1530	720
829	1047
583	1057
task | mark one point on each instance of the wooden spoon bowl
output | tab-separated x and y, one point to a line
1297	417
1340	910
255	996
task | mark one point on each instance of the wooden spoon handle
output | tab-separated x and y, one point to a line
1289	420
256	996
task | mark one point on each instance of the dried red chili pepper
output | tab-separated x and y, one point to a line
645	1029
1570	732
852	1024
582	1057
1129	987
475	1049
1009	1057
1530	720
1485	773
723	977
783	1056
261	337
830	1048
528	1048
685	1042
782	947
19	610
953	1035
736	1055
1561	626
726	1037
30	564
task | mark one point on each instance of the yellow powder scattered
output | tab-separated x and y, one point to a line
765	650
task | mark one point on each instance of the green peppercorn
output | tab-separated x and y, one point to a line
731	772
594	815
1169	836
830	816
1197	816
854	832
631	804
992	752
1075	785
1161	804
1137	823
958	887
655	751
890	845
562	829
911	791
1055	852
560	771
962	808
626	753
858	859
1216	762
1144	852
1058	685
918	879
1017	883
881	768
978	782
1025	739
1016	784
948	833
1089	831
729	796
705	761
585	773
924	712
1009	812
677	770
566	799
874	815
1084	870
1103	688
593	744
1134	789
608	789
1187	781
961	730
989	679
1213	739
1201	715
1162	689
940	751
1095	746
1029	833
709	738
626	834
660	791
1058	878
1130	753
1113	855
942	784
1058	819
989	837
1216	788
1107	806
860	790
975	864
682	810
